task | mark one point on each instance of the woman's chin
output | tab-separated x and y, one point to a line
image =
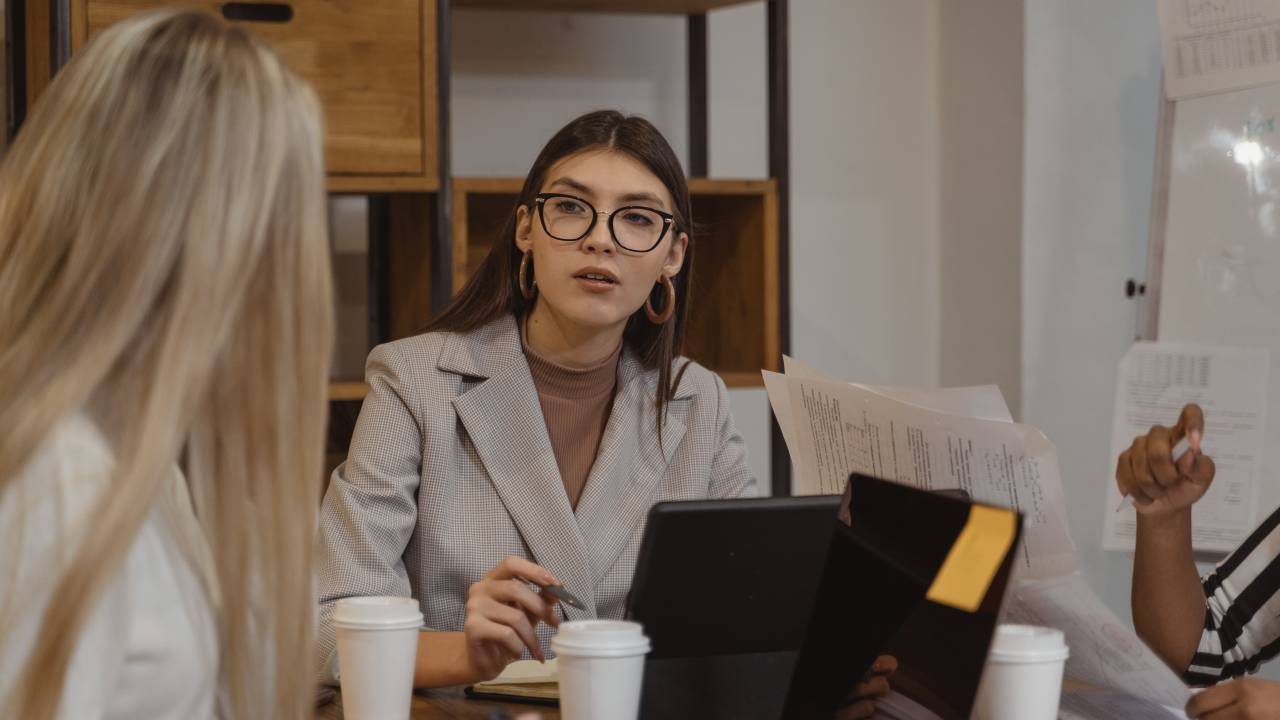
593	313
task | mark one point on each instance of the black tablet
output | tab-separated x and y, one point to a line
724	589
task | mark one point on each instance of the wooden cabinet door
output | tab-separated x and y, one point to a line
372	62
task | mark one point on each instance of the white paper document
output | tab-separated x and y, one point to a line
1215	45
1105	652
1154	382
526	672
896	706
984	402
838	429
980	401
1109	705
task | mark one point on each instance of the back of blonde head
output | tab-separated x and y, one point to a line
164	263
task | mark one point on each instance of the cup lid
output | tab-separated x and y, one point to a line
377	612
601	635
1028	643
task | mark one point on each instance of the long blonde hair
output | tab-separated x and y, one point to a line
164	263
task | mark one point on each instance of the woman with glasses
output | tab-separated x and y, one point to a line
524	437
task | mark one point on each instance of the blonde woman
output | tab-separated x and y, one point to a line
164	298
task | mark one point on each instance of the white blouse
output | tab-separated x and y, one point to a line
149	648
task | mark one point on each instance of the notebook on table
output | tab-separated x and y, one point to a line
522	681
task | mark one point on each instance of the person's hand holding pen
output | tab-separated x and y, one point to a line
1158	481
502	612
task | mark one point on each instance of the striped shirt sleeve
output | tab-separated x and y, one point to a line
1242	610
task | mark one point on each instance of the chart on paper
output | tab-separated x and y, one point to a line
1216	45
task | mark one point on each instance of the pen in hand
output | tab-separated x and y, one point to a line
1180	450
559	593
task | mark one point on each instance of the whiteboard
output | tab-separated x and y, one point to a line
1216	237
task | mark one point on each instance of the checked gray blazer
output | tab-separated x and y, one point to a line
451	469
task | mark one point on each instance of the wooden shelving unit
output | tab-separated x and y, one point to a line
373	64
383	74
649	7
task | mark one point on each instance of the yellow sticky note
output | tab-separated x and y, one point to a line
965	575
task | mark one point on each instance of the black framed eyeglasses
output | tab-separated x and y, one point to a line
634	227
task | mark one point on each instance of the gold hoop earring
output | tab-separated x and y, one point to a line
527	289
669	310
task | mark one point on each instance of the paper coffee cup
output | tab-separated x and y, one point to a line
377	648
1023	676
601	666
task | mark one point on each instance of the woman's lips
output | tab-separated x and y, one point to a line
595	283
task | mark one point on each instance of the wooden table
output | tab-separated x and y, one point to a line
450	704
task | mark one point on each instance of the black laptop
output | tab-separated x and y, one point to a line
776	607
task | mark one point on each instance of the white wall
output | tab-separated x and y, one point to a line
864	159
1092	96
981	96
520	76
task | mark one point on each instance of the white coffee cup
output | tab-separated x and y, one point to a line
601	665
377	648
1023	676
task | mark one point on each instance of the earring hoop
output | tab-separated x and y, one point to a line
668	310
527	289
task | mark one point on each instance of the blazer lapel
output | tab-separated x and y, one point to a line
629	466
504	421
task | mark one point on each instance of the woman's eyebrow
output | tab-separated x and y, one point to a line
643	197
572	185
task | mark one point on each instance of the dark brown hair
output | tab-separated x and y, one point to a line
494	290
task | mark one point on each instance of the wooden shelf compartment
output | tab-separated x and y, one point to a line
733	326
403	257
481	208
410	237
404	252
342	423
648	7
347	390
373	65
733	321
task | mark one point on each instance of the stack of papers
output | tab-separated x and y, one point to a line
929	439
965	438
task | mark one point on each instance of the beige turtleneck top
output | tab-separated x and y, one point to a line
576	405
